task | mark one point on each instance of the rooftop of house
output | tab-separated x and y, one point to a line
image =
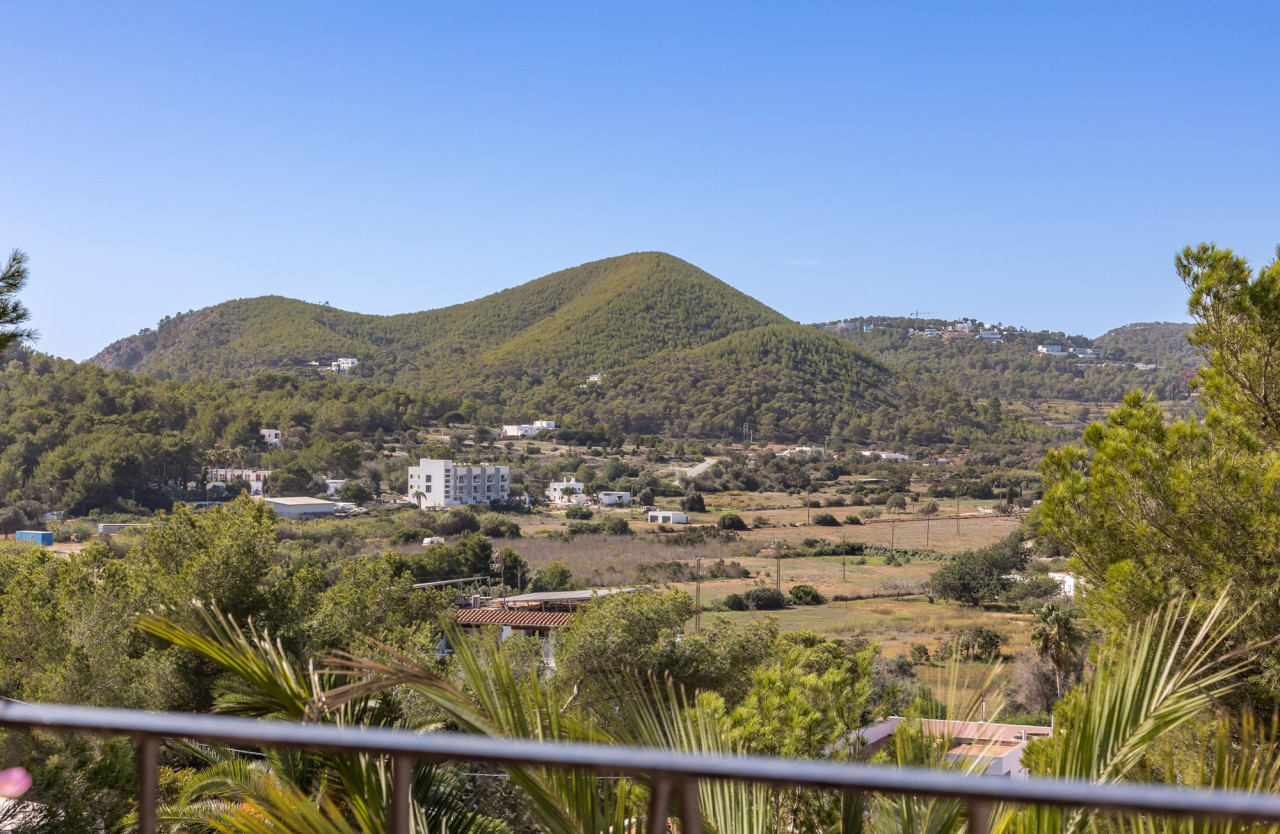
300	502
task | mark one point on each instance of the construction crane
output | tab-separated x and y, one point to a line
918	313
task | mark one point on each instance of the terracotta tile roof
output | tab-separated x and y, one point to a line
512	617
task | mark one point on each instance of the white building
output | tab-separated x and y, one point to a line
343	364
271	437
668	517
220	476
1087	353
993	336
884	455
302	509
613	499
332	485
987	749
439	483
1051	350
528	430
564	492
818	451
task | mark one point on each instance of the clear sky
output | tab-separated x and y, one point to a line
1030	163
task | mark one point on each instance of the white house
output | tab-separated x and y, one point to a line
820	451
302	509
528	430
271	437
564	492
884	455
613	499
1087	353
439	483
332	485
1051	350
220	476
989	749
993	336
343	364
1068	582
668	517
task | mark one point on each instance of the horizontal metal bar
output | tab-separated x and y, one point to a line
651	763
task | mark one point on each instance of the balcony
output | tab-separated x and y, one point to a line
668	775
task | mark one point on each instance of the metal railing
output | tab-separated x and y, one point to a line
670	774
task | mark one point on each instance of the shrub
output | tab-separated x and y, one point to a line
731	521
553	577
761	521
578	513
693	503
735	602
496	526
870	513
977	642
806	595
852	519
615	525
919	653
764	599
826	520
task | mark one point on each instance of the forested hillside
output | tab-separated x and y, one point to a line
1014	371
579	321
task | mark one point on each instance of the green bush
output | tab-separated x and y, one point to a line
826	520
497	526
806	595
578	513
731	521
735	602
765	599
852	519
919	653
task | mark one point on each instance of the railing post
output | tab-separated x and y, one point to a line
401	799
659	805
690	807
147	761
979	816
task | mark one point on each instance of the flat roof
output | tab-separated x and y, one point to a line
301	502
515	619
567	596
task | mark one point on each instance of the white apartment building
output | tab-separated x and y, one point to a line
439	483
220	476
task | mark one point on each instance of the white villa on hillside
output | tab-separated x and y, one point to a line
271	437
220	476
566	492
439	483
528	430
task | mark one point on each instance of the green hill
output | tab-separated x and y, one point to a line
584	320
677	350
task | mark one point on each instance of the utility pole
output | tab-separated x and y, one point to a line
807	496
777	558
697	595
893	525
957	511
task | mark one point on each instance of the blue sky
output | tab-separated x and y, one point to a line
1034	163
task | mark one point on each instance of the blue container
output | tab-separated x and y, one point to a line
39	537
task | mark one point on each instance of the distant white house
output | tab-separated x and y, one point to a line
993	336
1087	353
332	485
1051	350
528	430
1068	582
220	476
820	451
302	509
613	499
668	517
593	378
271	437
961	327
566	492
440	483
871	453
343	364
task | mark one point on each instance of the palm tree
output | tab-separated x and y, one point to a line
1056	637
294	790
